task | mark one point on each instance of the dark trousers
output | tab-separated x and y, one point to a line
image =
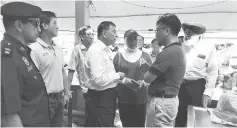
190	93
100	108
56	111
132	115
213	104
85	98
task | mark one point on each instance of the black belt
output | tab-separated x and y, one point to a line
56	95
185	81
161	95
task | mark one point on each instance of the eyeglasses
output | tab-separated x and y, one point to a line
35	23
90	34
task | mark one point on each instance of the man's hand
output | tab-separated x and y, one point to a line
142	83
130	83
11	120
122	75
144	66
84	89
206	100
66	99
134	85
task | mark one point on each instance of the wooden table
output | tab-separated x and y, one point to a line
200	117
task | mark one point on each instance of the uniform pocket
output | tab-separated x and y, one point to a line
199	63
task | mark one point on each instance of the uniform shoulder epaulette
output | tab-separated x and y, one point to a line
6	49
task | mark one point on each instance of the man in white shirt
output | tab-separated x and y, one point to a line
48	58
103	79
201	71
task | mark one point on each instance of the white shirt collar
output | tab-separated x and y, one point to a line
101	44
82	47
41	42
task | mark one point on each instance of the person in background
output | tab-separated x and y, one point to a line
48	58
24	99
166	74
77	61
114	49
155	49
201	71
140	42
181	39
234	79
103	79
132	103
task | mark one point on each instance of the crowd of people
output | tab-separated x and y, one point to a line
152	89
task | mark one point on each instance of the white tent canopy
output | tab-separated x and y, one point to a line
142	15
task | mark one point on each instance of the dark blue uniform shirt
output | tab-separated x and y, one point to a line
22	87
170	66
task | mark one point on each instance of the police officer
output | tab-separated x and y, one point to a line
24	100
201	71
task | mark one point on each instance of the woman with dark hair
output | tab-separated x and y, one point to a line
132	97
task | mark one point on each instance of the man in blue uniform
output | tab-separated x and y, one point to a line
24	100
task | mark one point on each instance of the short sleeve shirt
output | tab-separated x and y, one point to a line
22	87
171	62
50	62
77	62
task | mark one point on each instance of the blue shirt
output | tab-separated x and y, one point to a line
22	87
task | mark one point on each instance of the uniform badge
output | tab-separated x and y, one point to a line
25	61
22	49
7	49
29	68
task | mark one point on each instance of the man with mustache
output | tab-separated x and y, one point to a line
103	79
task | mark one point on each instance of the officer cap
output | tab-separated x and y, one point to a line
19	10
195	27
